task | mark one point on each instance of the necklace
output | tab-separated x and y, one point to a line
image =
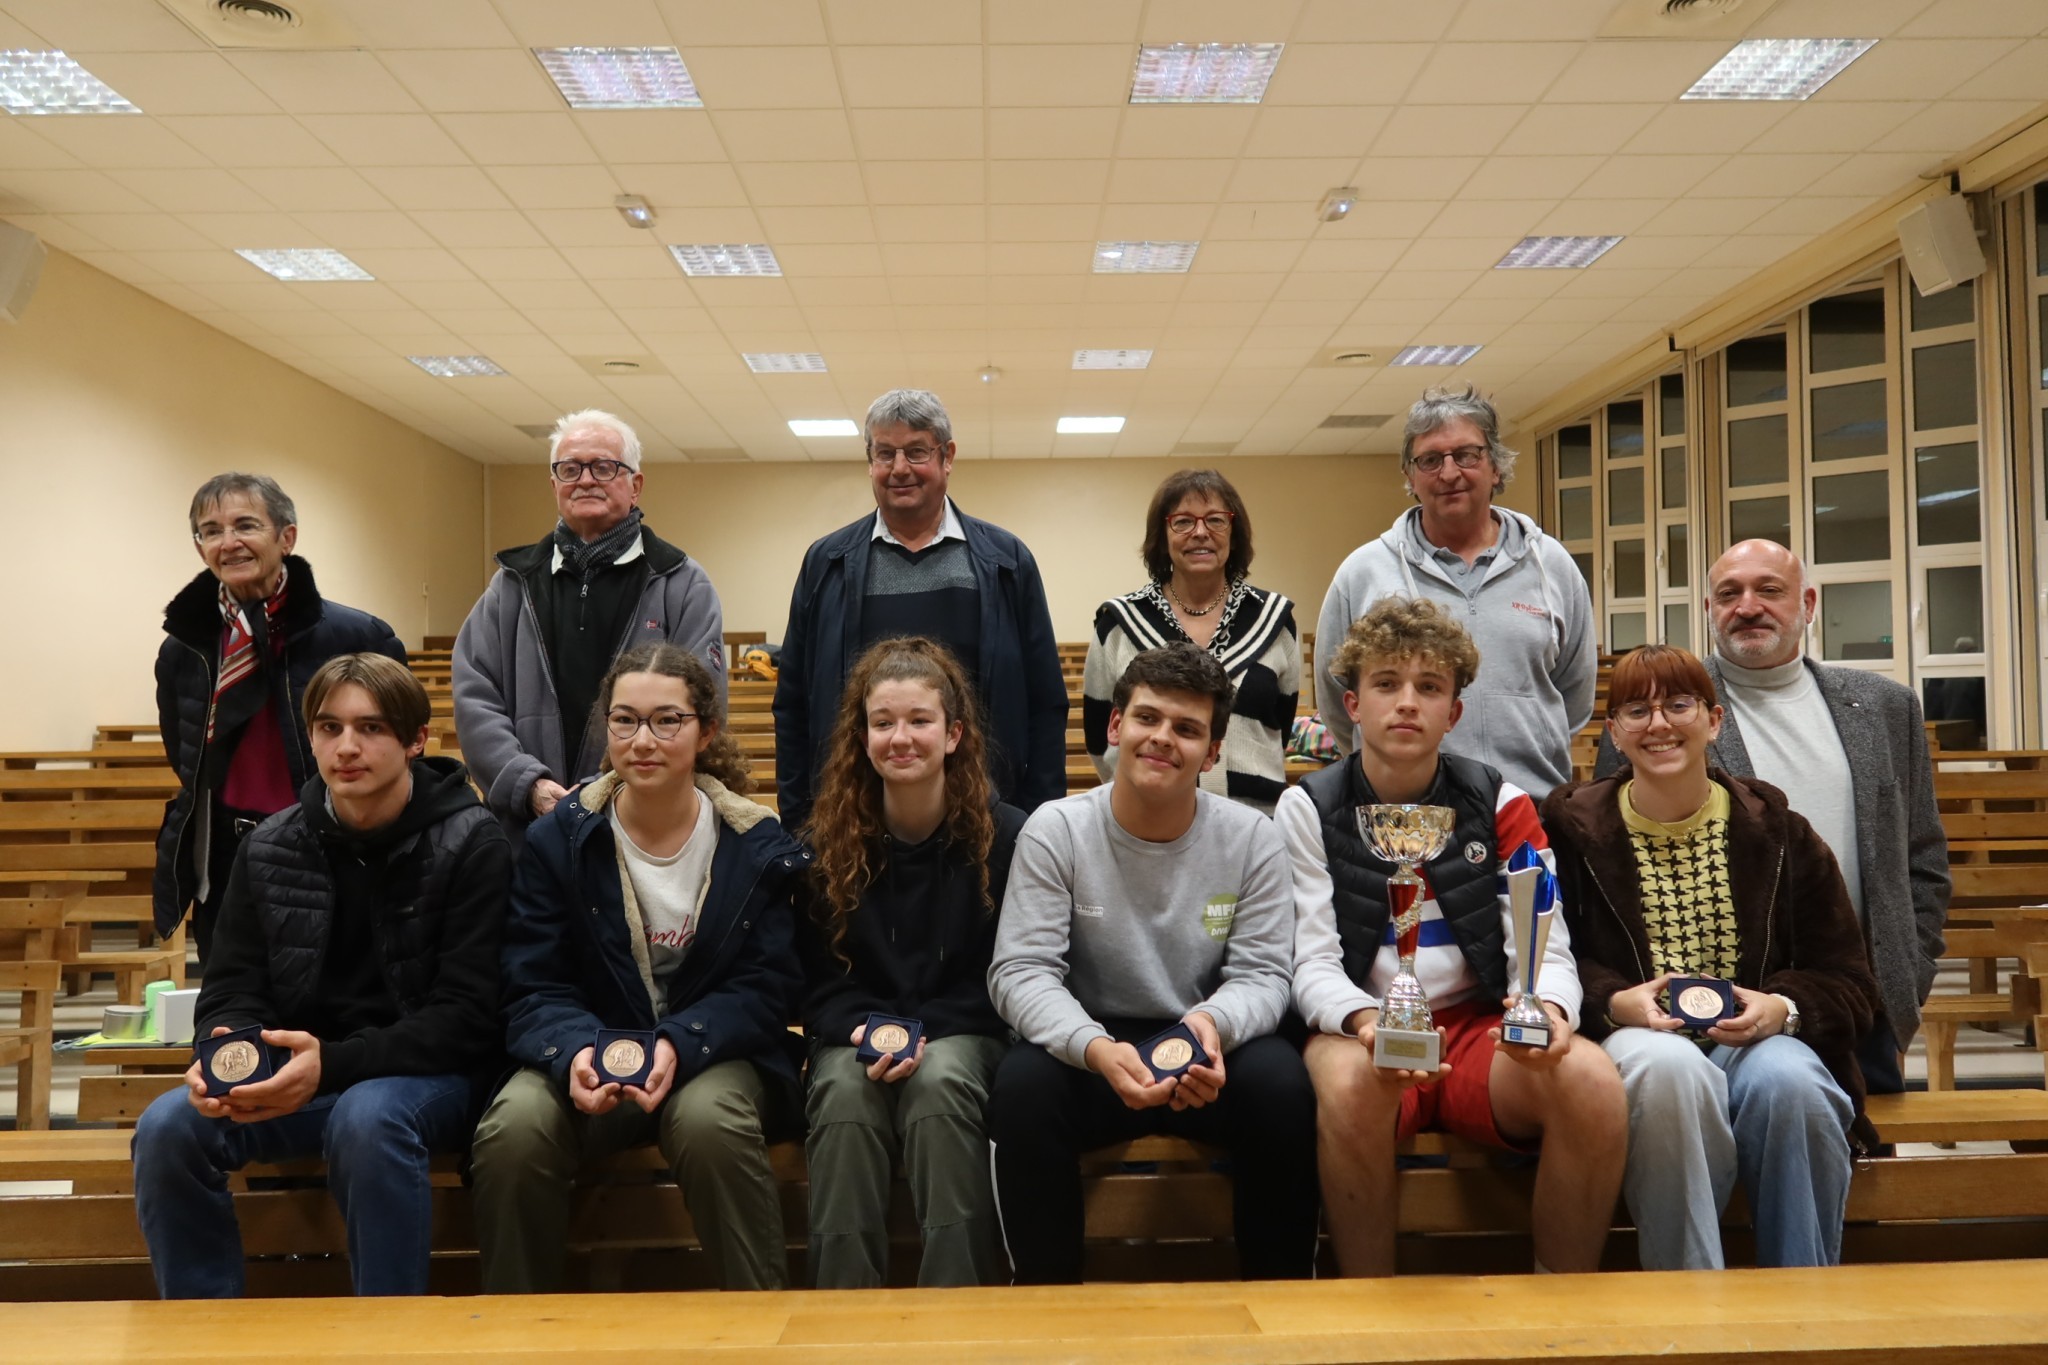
1203	610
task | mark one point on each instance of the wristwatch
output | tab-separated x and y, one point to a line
1791	1015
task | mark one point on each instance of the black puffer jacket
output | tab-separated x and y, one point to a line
314	630
433	885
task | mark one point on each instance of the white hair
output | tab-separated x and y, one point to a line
598	419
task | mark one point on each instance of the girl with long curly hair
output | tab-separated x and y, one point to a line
911	852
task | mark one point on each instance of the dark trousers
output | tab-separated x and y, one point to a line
1877	1056
228	829
1044	1114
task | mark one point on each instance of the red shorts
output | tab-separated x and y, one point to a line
1461	1103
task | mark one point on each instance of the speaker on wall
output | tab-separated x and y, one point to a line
21	265
1940	243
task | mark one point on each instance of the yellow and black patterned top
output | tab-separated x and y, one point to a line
1688	908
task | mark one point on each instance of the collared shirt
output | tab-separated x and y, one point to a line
949	528
1508	535
639	548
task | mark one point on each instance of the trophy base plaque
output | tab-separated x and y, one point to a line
624	1057
1700	1002
1169	1053
889	1036
1525	1034
1400	1049
232	1059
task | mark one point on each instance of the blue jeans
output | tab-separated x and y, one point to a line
1768	1113
376	1137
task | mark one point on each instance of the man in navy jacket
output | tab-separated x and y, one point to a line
920	566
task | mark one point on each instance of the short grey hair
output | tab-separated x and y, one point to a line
597	419
1438	408
276	505
918	409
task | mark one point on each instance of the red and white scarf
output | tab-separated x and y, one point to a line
238	643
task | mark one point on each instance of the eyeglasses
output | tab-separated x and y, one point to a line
915	456
243	528
1635	716
663	725
570	471
1181	524
1467	457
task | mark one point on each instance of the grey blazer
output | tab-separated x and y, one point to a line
1903	852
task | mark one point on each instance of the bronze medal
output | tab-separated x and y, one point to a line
890	1039
235	1062
624	1057
1700	1002
1172	1054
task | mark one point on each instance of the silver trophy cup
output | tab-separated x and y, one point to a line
1407	836
1526	1022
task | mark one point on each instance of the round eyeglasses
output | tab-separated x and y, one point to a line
662	725
1679	711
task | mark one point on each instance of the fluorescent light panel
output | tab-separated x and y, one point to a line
34	82
825	426
1112	360
784	362
457	366
1203	73
1125	258
727	258
620	77
1434	355
301	264
1090	426
1777	68
1555	253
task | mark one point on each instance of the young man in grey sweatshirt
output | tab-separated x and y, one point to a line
1131	908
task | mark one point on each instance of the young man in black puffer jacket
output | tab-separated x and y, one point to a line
360	931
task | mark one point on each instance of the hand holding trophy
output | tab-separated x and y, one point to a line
1532	898
1407	836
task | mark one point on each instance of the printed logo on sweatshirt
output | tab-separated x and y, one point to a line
1091	911
1218	915
1532	609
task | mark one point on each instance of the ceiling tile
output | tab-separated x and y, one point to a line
325	82
1167	182
1871	174
1978	18
106	26
121	143
444	23
2022	75
650	135
1577	129
1489	219
1415	177
1071	75
346	230
1346	73
191	190
765	77
932	182
1752	175
1474	130
250	230
1148	223
138	231
929	223
393	266
785	135
317	190
68	191
935	78
242	140
917	134
789	183
1491	73
458	228
677	188
1636	71
500	265
1698	127
1947	128
500	80
1915	68
760	23
1648	177
450	187
595	227
161	83
519	139
1180	130
649	272
1031	134
1058	21
1833	126
557	187
1334	131
59	232
812	224
612	23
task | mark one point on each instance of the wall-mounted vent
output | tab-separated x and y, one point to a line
1356	421
296	25
1683	18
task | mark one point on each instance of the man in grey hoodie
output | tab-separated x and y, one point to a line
1515	589
1131	909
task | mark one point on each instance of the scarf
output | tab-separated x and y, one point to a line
586	559
238	647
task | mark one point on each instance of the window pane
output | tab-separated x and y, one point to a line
1677	564
1574	514
1629	579
1626	631
1955	610
1760	519
1945	488
1671	490
1856	620
1678	625
1624	430
1852	518
1585	563
1575	453
1847	330
1625	497
1945	386
1756	451
1671	405
1960	703
1848	421
1756	371
1944	309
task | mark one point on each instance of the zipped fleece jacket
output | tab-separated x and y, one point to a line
187	663
507	714
1797	933
432	886
1530	614
576	947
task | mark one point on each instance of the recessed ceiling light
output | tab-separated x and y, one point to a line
1122	258
727	258
1090	426
1203	73
1434	355
456	366
1112	360
784	362
303	264
825	426
636	211
51	83
620	77
1777	68
1555	253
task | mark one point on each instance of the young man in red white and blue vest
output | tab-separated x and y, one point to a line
1403	664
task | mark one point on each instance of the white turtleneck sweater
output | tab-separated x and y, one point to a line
1793	745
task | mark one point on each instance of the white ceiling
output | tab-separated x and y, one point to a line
933	175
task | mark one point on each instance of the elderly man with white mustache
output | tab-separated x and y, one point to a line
1849	750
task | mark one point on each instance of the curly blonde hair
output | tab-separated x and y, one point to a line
1399	628
721	758
846	828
